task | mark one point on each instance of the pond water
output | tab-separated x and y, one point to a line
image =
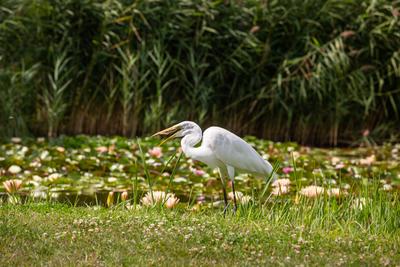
83	170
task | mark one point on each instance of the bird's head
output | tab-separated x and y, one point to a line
178	130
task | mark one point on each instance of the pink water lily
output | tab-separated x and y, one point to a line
12	186
287	170
340	166
198	172
155	152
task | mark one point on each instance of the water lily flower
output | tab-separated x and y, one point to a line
53	176
312	191
158	197
198	172
287	170
44	155
155	152
245	200
335	160
281	182
39	193
60	149
340	166
124	196
280	190
35	164
387	187
295	155
171	202
238	195
368	160
112	179
280	187
102	149
201	199
12	186
14	169
335	192
152	198
37	178
16	140
117	167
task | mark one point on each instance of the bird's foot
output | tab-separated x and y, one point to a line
234	209
225	209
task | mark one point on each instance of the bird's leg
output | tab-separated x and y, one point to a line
234	197
225	198
222	175
224	191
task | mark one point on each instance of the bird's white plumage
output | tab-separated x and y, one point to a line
233	151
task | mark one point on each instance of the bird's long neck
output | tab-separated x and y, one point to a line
189	141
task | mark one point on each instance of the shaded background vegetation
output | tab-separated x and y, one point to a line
316	72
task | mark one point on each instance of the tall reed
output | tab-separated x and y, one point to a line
317	72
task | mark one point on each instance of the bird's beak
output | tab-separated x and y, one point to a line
171	131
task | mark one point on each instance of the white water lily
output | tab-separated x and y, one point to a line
37	178
368	160
387	187
14	169
60	149
53	176
312	191
280	187
335	192
35	164
281	182
112	179
238	195
280	190
245	200
117	167
44	155
16	140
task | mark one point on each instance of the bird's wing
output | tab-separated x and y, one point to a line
234	151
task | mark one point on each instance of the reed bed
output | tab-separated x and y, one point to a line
316	72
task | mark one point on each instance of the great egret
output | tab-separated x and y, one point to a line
220	149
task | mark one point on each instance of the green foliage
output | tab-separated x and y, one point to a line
315	234
312	71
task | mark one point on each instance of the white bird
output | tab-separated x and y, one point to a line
220	149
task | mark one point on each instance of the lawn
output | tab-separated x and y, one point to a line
81	201
60	235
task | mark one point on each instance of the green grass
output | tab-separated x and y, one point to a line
317	232
358	227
